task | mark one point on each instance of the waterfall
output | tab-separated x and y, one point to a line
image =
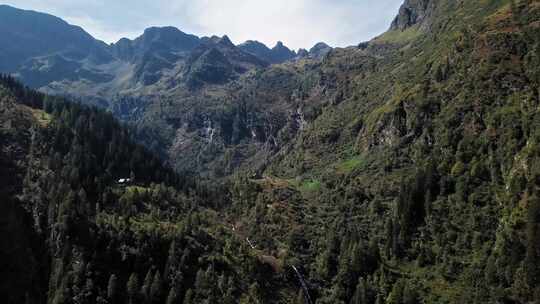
303	283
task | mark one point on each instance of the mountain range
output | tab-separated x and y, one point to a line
163	71
42	49
178	169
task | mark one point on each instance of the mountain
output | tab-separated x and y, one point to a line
42	48
46	52
402	170
278	54
72	227
156	50
258	49
413	12
319	50
156	41
165	64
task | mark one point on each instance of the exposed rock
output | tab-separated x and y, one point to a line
278	54
302	53
163	40
413	12
281	53
210	67
319	50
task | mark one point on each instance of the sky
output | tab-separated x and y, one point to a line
298	23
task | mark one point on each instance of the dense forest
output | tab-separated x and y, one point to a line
73	234
414	178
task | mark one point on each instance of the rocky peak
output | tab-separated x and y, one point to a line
123	49
302	53
319	50
281	53
413	12
279	44
254	47
225	41
278	54
169	37
279	47
155	40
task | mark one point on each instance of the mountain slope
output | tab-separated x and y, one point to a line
44	48
426	146
74	231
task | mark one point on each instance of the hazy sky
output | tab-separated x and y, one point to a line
298	23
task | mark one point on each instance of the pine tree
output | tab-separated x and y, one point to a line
172	296
374	255
360	295
111	288
532	258
396	296
409	295
515	10
300	297
201	281
389	242
145	290
491	270
171	262
155	289
132	288
188	298
228	297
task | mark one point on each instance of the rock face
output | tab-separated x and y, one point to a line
164	40
257	48
319	50
413	12
281	53
302	53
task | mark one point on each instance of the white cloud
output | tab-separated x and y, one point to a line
298	23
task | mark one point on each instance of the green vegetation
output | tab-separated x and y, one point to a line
310	186
93	240
399	172
351	164
397	36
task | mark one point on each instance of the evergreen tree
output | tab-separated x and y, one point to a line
396	296
189	298
360	295
172	296
132	288
532	257
409	294
300	297
171	262
145	290
111	288
155	289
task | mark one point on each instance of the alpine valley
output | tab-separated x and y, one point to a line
180	169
